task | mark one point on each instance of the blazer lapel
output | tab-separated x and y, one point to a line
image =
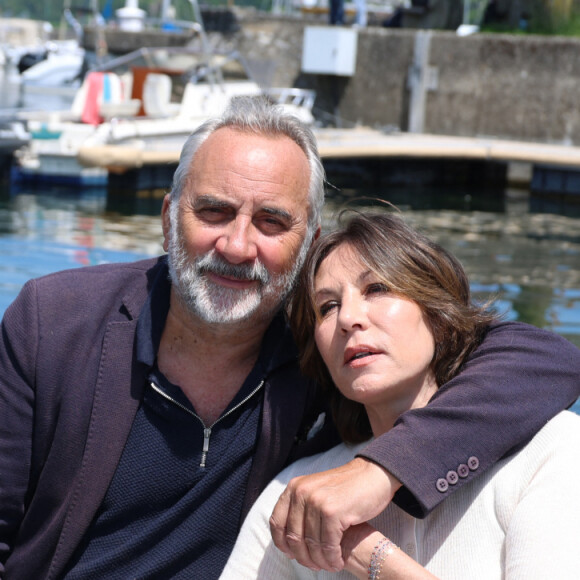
284	403
117	397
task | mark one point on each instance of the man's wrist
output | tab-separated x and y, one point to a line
393	483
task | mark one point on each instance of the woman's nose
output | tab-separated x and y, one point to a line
352	313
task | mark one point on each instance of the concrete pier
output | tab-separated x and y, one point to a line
513	87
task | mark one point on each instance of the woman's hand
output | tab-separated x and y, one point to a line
362	544
358	543
315	511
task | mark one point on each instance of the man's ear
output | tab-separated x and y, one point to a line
166	221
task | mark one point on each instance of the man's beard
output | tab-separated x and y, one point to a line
218	304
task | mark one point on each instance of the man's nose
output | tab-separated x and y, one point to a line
237	244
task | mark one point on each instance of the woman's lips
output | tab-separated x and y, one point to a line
353	355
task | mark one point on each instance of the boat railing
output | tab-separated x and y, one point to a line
292	96
144	53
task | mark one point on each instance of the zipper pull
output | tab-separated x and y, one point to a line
206	435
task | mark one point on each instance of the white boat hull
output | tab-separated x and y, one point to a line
103	115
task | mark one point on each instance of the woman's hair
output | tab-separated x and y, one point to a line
412	266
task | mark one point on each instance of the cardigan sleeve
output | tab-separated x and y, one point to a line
18	346
518	379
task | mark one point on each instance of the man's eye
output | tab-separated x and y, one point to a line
212	213
271	225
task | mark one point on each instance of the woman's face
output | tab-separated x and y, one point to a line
377	345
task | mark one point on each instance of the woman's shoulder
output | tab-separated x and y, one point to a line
560	432
334	457
554	449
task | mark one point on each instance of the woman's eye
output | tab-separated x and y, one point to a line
325	308
377	288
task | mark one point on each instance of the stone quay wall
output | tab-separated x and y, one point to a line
506	86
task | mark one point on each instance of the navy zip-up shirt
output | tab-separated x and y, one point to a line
173	509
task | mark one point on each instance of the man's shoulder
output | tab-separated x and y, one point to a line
108	270
103	287
100	278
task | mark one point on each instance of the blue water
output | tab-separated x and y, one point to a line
46	230
23	261
43	231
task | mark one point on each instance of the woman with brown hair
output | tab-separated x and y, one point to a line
383	319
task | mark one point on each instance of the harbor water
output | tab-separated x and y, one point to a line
523	252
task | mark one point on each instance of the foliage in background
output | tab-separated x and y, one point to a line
519	16
561	17
554	17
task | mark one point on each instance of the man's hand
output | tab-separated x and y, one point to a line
314	511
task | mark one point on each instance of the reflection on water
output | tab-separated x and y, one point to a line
90	219
50	230
529	260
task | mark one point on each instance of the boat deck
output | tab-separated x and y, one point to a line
545	168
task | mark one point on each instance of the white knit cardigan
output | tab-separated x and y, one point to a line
519	520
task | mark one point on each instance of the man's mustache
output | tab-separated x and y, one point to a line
212	263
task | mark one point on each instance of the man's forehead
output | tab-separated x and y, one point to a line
226	174
248	140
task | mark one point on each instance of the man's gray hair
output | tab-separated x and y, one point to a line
258	115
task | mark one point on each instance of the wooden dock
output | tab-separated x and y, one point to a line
544	168
365	142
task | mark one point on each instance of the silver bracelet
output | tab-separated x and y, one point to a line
384	548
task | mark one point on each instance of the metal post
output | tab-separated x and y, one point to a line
420	80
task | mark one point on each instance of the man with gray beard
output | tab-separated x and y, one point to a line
217	304
144	406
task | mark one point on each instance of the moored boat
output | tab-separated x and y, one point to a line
148	107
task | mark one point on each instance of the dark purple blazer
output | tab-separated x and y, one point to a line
70	386
69	389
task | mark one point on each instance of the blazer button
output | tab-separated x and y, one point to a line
463	470
473	463
442	485
452	477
